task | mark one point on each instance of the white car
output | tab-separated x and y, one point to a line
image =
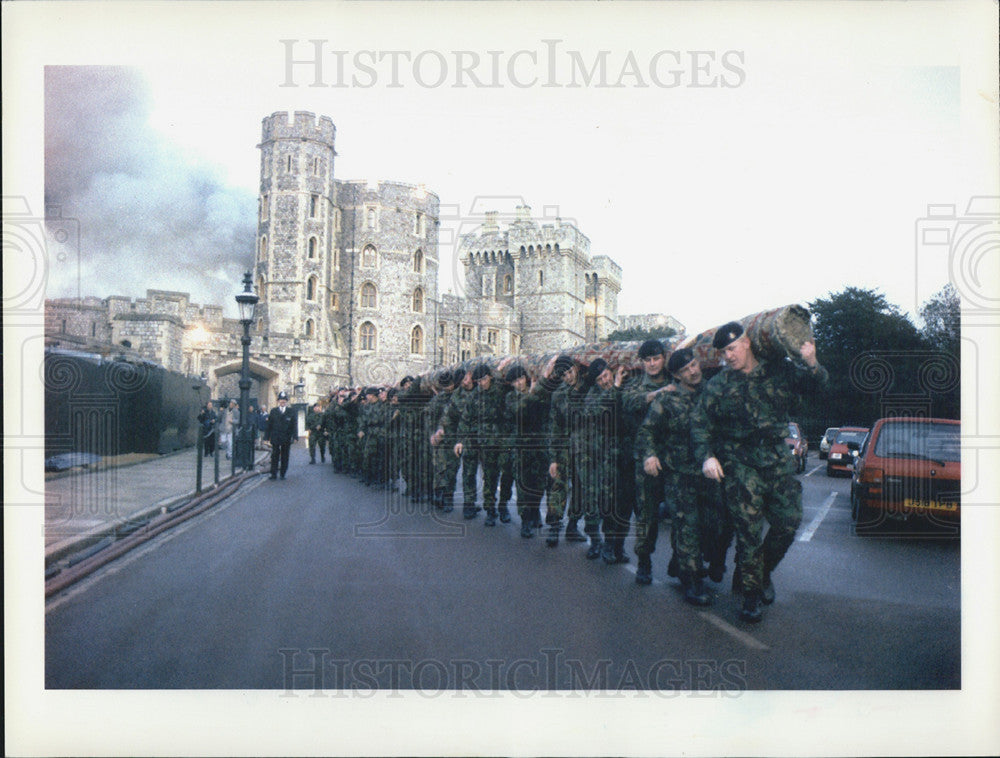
824	444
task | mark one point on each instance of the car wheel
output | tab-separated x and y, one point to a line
862	517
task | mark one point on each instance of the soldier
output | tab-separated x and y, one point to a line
527	412
738	429
480	440
603	504
369	426
664	443
445	462
564	480
636	401
317	433
282	431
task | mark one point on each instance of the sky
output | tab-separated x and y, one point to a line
728	163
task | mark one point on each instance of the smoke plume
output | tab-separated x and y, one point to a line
149	215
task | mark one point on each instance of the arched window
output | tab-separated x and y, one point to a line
369	296
418	300
309	327
418	262
263	246
260	288
508	284
311	288
369	257
417	340
313	206
312	247
367	334
371	218
541	278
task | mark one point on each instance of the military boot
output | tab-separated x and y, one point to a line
553	537
596	546
716	571
491	518
673	568
469	511
767	593
527	529
751	611
694	590
644	573
572	533
504	515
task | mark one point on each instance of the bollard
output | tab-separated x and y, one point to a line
200	447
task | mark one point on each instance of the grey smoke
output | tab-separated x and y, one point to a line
150	216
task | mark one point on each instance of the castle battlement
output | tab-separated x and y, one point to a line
300	125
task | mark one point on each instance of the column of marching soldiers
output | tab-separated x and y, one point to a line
597	443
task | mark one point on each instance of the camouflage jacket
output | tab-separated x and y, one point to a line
526	417
744	417
453	411
482	416
565	414
314	422
436	411
635	407
602	422
666	430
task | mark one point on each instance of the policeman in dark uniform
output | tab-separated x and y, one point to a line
282	431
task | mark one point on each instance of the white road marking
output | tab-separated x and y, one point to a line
732	631
813	471
824	509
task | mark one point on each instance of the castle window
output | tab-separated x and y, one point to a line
64	326
465	355
313	206
369	257
418	262
309	327
260	325
418	224
311	283
491	337
418	300
262	207
315	166
541	278
368	295
466	334
334	303
288	163
336	219
508	284
371	218
441	328
263	246
417	340
336	259
260	288
367	333
93	329
312	247
514	346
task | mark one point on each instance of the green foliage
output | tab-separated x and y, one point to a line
942	317
637	335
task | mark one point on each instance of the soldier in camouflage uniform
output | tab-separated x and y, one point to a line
527	412
317	433
369	433
564	480
463	397
664	443
480	440
598	454
444	460
636	400
738	430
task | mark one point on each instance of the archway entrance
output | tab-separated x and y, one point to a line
262	381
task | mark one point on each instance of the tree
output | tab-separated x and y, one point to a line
636	334
942	317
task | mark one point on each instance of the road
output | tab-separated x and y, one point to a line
319	583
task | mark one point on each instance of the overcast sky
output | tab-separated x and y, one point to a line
729	160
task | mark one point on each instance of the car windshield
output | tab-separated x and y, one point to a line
844	437
920	439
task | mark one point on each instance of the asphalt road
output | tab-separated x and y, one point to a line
317	582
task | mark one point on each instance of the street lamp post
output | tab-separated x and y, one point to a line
243	455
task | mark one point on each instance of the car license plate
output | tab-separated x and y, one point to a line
910	504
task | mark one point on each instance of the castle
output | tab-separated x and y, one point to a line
347	275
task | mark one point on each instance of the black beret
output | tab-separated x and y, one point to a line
679	359
406	380
650	348
445	379
595	370
515	372
480	371
726	334
392	393
563	364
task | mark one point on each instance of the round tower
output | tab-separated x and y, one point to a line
295	228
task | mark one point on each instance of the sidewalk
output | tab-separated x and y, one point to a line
85	507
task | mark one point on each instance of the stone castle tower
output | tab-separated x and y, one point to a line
349	265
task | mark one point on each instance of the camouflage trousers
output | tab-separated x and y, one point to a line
566	486
508	464
608	494
445	469
754	496
528	469
373	459
472	458
649	493
699	526
317	440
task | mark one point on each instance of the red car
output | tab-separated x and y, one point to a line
908	467
841	456
798	445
